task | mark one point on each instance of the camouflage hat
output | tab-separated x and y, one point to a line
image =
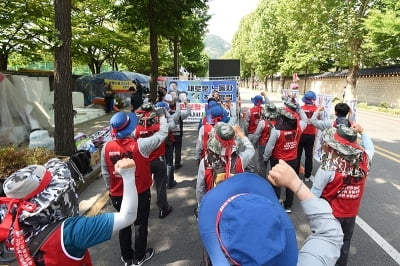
146	115
342	140
291	105
270	111
285	114
222	139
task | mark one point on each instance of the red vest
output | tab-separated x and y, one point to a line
206	132
54	255
286	145
144	132
127	148
309	111
262	141
344	199
255	116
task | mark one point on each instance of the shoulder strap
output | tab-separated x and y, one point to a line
36	243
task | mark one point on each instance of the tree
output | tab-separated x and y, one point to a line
64	124
383	35
17	21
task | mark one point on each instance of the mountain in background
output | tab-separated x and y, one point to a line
215	46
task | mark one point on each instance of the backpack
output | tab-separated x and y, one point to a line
58	201
215	171
79	164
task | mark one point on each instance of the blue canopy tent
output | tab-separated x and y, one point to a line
143	79
92	86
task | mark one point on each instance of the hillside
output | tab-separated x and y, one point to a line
215	46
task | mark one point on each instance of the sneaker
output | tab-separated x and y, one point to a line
306	179
164	212
288	210
148	255
129	262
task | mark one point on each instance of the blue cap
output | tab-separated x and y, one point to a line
243	215
123	124
163	104
258	99
309	97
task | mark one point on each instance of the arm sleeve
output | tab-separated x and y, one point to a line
323	246
149	144
322	178
266	99
248	152
257	133
368	146
104	170
186	113
270	144
320	124
197	153
200	183
129	206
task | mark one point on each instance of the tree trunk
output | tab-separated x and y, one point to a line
176	57
3	61
153	51
63	118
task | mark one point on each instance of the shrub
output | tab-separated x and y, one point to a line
13	158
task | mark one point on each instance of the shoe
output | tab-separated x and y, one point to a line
177	166
129	262
148	255
172	184
306	179
164	212
288	210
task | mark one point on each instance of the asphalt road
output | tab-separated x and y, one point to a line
176	239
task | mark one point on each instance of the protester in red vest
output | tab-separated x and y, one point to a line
123	145
251	120
216	115
228	151
282	144
44	214
342	175
307	138
261	135
148	125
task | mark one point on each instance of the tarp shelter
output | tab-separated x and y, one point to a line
20	110
92	86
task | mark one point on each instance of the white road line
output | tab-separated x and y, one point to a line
389	249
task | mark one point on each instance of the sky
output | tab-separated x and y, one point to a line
226	16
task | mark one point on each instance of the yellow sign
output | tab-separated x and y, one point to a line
120	85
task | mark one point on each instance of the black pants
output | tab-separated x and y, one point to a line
169	158
141	228
348	225
306	143
159	169
289	194
178	149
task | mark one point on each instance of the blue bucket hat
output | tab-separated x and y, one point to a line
258	99
216	111
241	219
309	97
123	124
163	104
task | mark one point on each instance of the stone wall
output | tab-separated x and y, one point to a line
372	90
